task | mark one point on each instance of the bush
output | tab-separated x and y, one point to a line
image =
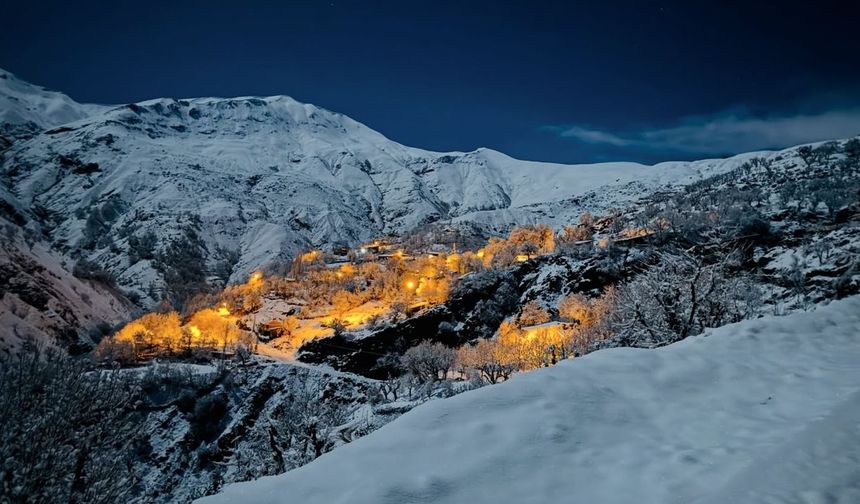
754	226
186	401
208	416
852	148
142	248
336	325
88	270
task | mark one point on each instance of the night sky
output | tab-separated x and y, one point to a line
553	81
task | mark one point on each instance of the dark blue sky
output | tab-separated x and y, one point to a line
556	81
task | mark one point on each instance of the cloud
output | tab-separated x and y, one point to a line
724	133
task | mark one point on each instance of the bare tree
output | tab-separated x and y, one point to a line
680	296
492	360
65	431
390	388
309	419
428	362
532	314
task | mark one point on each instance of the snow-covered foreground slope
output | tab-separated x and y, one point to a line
761	411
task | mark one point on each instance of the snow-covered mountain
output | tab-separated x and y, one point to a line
760	411
26	109
258	179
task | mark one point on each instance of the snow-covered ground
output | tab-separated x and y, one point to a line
764	411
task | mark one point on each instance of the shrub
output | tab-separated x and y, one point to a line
208	415
65	431
142	247
88	270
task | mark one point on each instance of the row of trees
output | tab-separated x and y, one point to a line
164	334
533	340
527	343
678	296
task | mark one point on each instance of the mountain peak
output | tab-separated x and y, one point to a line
31	108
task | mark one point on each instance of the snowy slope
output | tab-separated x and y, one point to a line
26	109
42	303
761	411
264	177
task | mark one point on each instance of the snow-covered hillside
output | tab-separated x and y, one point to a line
42	303
260	178
761	411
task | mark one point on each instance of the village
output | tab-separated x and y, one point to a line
355	291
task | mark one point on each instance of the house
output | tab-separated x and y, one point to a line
374	247
398	254
416	307
633	239
554	328
270	330
340	250
337	263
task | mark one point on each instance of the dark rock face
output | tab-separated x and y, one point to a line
476	307
361	355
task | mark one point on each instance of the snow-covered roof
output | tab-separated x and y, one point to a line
545	325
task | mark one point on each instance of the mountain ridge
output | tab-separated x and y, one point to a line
236	184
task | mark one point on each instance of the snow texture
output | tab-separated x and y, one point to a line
763	411
22	103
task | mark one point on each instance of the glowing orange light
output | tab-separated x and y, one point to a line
223	311
522	257
309	256
480	254
410	285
